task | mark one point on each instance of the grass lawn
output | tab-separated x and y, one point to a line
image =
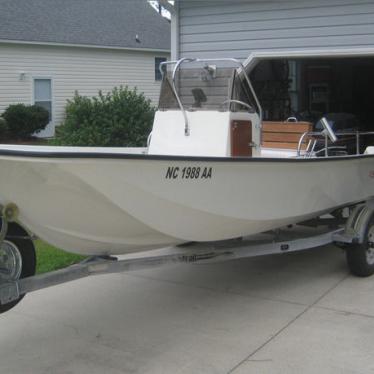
50	258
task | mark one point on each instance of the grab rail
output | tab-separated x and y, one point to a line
324	135
178	64
176	67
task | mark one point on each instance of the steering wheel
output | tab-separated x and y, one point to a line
249	107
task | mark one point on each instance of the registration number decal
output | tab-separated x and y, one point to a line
189	172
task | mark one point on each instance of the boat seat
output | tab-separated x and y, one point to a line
284	135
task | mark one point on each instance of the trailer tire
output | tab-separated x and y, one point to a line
360	257
26	249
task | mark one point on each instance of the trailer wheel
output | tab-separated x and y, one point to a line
360	257
17	260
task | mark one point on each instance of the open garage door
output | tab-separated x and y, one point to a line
307	88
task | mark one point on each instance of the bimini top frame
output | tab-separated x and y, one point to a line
178	64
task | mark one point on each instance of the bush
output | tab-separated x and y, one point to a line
23	121
3	127
123	117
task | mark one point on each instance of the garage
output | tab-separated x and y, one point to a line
309	58
310	88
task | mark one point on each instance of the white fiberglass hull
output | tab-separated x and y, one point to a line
107	202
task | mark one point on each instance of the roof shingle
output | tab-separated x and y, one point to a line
109	23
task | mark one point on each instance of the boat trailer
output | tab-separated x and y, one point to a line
354	236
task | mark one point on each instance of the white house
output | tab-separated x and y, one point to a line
235	28
51	48
324	29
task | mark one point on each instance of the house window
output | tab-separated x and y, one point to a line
158	60
43	94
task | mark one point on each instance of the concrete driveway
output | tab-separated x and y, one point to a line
295	313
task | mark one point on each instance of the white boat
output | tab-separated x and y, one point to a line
207	175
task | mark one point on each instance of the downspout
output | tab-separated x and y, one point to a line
175	31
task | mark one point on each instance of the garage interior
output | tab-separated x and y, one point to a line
311	88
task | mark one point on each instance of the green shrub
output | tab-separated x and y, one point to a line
3	127
24	120
120	118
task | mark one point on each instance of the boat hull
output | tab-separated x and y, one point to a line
111	203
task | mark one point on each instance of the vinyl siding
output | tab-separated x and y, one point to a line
237	28
73	69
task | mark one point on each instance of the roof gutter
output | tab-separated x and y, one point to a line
53	44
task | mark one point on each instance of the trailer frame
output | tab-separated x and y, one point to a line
328	230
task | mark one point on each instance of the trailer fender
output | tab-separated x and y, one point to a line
14	229
356	225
